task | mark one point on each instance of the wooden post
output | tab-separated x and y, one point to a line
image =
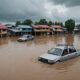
1	33
35	33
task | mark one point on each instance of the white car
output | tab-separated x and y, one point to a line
26	38
60	53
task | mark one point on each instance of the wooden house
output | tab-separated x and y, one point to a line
3	30
41	29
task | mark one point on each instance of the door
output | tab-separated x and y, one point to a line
72	53
28	37
65	55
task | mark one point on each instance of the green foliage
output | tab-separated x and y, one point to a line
50	23
70	24
36	23
59	23
18	23
42	22
27	22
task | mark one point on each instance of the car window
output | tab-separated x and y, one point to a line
24	36
55	51
65	52
71	50
28	36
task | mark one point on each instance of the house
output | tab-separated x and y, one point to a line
25	28
76	29
3	30
10	26
41	29
20	30
56	29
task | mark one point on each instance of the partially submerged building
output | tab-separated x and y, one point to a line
41	29
3	30
76	29
20	30
25	29
10	26
56	29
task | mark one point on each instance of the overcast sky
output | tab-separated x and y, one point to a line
56	10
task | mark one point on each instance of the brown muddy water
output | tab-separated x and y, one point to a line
19	60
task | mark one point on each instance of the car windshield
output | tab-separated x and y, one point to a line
24	36
55	51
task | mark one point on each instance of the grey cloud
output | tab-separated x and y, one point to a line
68	3
13	10
21	9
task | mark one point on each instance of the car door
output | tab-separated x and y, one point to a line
72	53
28	38
65	55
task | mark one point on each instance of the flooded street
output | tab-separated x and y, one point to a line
19	60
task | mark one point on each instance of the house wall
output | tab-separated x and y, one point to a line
3	32
41	30
57	29
25	29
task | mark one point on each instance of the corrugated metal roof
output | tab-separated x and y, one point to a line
56	26
24	26
2	26
14	30
41	26
17	30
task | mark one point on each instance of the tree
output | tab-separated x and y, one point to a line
50	23
36	23
18	23
27	22
43	21
59	23
70	24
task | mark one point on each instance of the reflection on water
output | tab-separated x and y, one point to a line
69	39
18	60
3	41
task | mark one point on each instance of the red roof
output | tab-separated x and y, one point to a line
56	26
2	26
40	26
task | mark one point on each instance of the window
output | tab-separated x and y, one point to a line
55	51
71	50
23	29
28	36
65	52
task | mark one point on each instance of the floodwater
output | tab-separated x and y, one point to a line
19	60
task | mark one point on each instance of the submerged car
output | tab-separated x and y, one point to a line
26	38
60	53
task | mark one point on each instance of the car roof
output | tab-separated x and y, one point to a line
60	47
64	46
27	35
